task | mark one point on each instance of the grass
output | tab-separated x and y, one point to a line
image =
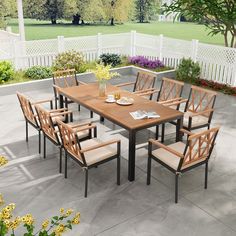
180	30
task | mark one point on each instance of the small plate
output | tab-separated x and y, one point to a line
128	102
110	101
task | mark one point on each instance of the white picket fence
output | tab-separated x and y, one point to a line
217	63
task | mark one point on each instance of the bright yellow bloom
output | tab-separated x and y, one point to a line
45	224
3	161
59	230
62	210
27	219
15	223
102	72
1	200
75	221
69	212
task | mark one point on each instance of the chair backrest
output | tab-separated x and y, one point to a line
144	81
199	147
65	78
46	123
70	141
170	89
200	99
27	109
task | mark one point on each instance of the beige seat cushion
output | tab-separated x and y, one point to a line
99	154
169	158
196	120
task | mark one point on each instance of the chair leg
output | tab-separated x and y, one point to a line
86	183
149	170
66	165
206	175
163	133
60	161
39	141
118	170
26	131
44	146
176	187
157	132
91	114
78	107
55	103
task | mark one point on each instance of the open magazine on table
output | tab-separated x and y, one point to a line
139	115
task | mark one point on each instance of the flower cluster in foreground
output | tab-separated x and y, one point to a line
102	72
56	226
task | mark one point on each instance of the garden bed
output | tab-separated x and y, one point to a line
85	77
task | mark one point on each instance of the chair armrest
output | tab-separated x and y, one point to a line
81	82
57	88
125	84
58	110
186	132
86	127
100	145
157	143
201	112
41	101
170	100
61	113
175	103
79	125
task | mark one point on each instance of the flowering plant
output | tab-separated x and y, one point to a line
102	72
145	62
54	227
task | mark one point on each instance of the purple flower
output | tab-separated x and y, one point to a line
145	62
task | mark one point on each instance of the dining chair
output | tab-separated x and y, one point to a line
199	108
64	79
180	157
89	153
27	107
48	124
144	84
169	95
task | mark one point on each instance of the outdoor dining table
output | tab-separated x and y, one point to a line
88	96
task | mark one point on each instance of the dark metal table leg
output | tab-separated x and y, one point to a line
61	103
132	142
178	127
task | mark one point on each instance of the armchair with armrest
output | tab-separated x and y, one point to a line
144	84
180	157
89	153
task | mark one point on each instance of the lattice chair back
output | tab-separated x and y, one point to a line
27	109
65	78
46	123
200	100
170	89
144	81
70	141
199	147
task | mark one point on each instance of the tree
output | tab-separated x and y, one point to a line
217	15
146	9
44	9
117	10
8	9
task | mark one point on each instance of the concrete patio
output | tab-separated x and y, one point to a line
133	208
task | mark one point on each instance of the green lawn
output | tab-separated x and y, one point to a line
187	31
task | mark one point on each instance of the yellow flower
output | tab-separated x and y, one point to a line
75	221
3	161
15	223
69	212
62	210
59	230
45	224
7	223
27	219
1	200
102	72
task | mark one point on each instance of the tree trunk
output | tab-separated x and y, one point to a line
226	38
54	21
112	21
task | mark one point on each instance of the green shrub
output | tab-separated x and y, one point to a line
6	71
38	72
110	59
188	71
69	60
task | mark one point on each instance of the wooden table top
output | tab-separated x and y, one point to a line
87	96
